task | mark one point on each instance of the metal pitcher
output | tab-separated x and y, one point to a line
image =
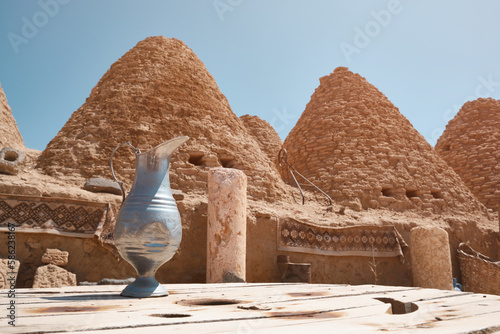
148	227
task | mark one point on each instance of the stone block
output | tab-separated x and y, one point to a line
12	161
55	256
102	185
177	194
52	276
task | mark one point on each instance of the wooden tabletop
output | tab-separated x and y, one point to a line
252	308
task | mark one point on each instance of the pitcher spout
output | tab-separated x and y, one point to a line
167	148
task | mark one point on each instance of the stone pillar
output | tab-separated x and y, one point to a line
430	258
227	224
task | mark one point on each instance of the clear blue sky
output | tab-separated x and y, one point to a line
427	57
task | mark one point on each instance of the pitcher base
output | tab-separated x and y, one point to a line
144	287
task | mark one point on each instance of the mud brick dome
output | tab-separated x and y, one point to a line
268	139
9	133
471	146
157	91
354	143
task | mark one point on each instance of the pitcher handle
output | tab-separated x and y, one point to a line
137	151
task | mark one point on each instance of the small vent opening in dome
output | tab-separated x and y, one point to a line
437	194
411	193
196	158
226	162
446	147
388	192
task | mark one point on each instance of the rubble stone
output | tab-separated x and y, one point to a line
55	256
52	276
102	185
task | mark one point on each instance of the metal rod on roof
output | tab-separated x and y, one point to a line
282	158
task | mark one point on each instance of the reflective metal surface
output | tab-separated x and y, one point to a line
148	227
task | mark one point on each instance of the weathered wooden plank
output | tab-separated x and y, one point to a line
144	308
262	308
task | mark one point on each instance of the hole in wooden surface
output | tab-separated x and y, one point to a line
209	302
170	315
399	307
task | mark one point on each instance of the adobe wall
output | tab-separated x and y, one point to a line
470	144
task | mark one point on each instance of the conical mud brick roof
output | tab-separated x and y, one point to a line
354	143
9	133
269	141
157	91
471	146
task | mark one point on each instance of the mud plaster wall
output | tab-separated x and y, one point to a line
92	261
262	253
261	257
354	144
471	146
